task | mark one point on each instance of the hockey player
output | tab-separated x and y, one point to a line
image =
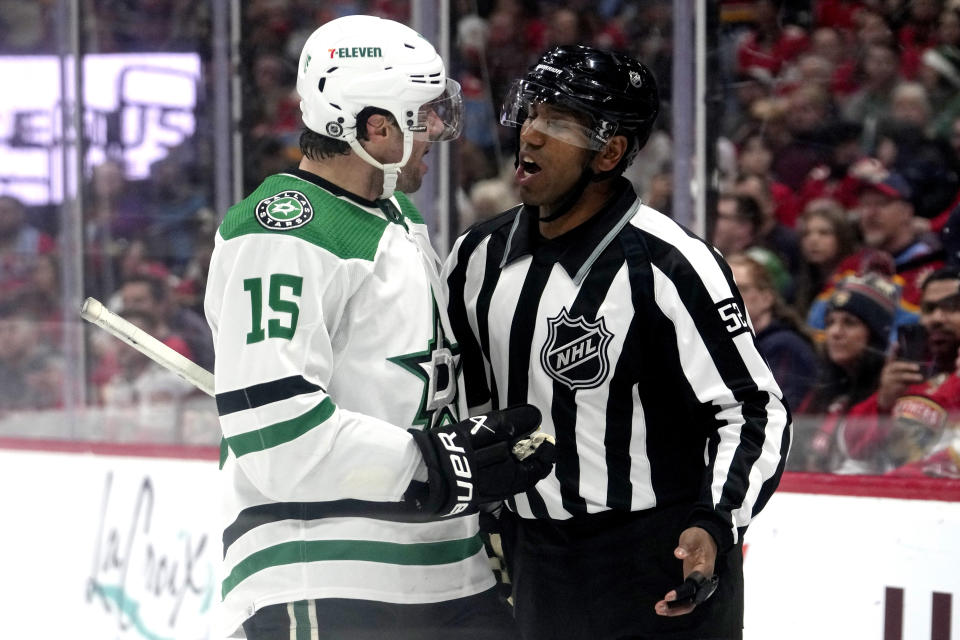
351	480
630	336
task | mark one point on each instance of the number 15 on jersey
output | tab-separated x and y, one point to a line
281	287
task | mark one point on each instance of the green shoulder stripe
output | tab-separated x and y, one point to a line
407	208
287	205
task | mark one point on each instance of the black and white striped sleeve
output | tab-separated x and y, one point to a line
469	327
747	448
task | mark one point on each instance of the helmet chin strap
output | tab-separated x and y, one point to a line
391	171
573	195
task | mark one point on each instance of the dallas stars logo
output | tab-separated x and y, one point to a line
438	367
284	211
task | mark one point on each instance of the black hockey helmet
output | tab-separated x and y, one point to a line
617	92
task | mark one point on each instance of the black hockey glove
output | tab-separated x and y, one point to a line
486	458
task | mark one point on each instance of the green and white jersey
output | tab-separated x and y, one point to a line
331	340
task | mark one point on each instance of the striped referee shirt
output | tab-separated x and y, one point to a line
629	334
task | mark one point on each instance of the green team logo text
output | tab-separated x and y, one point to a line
284	211
356	52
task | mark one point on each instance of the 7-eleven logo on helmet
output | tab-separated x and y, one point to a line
356	52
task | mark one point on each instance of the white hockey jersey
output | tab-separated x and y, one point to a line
330	343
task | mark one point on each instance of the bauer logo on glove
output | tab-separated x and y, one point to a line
485	458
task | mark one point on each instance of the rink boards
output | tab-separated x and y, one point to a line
121	542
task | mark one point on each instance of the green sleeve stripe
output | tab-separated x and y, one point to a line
408	209
281	432
420	553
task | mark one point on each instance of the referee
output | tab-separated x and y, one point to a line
630	336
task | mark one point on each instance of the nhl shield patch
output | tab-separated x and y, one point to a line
575	352
284	211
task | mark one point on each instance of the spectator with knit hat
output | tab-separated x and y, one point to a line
893	246
915	412
859	317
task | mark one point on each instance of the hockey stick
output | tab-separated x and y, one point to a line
94	311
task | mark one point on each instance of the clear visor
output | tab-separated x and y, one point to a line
441	118
533	106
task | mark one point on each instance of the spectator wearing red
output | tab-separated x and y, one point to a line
773	235
23	353
917	34
892	243
21	247
886	223
832	178
881	73
752	100
826	238
859	316
911	418
808	69
808	109
834	45
872	28
769	44
839	14
142	399
181	329
754	158
43	299
272	108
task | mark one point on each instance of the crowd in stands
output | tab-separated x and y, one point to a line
146	244
840	224
837	200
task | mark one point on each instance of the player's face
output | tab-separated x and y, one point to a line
411	176
550	162
940	316
847	337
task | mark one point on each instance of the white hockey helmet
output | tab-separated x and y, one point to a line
359	61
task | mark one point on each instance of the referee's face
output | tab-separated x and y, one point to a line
550	161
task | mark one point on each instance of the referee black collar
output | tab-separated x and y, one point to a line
578	248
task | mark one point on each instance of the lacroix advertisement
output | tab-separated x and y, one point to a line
125	547
105	547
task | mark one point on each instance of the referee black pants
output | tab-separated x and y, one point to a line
598	578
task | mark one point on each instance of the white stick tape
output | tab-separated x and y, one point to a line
94	311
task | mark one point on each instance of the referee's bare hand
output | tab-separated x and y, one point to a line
698	551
